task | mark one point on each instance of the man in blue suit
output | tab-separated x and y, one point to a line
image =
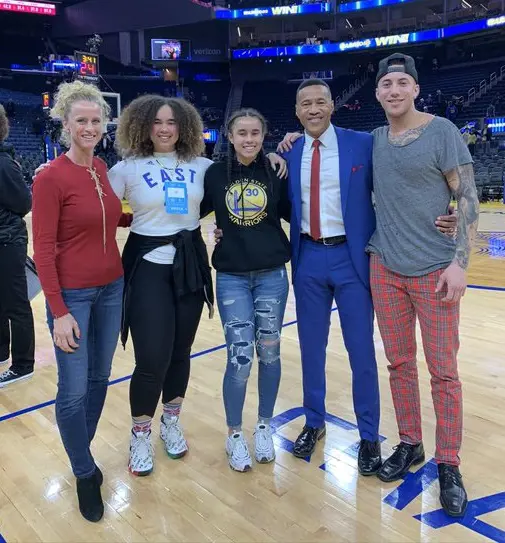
332	220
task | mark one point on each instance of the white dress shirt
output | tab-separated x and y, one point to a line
332	220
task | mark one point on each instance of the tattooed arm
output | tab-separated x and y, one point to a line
462	183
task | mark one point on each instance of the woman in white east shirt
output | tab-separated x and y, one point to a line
167	273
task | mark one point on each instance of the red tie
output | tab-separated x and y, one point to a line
315	215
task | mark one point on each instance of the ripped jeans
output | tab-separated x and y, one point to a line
252	308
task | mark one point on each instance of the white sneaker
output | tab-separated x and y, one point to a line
171	433
141	454
2	362
238	452
264	450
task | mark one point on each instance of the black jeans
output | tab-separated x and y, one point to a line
163	328
15	309
5	338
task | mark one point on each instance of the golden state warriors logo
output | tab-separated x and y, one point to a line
246	202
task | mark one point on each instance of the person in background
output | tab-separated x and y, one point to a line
75	216
5	339
252	283
451	112
472	140
16	318
487	138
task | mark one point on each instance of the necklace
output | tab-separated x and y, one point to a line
178	162
99	189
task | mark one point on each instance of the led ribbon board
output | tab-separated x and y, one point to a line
274	11
368	4
297	9
496	124
210	135
372	43
20	6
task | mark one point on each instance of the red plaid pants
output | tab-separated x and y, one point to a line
397	301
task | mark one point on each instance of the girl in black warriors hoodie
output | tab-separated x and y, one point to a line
252	285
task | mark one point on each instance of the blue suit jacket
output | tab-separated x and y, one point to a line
355	156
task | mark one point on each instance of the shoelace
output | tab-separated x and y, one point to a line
99	189
176	431
240	448
263	437
401	450
142	440
143	453
450	476
7	374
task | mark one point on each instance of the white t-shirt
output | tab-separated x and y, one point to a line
141	181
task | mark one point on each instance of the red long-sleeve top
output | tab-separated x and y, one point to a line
74	238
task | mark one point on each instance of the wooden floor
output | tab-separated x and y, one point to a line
199	498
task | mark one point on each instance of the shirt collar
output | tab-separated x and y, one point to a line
327	138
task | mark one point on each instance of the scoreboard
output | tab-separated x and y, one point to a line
87	68
46	101
22	6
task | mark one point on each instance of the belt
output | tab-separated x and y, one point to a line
334	240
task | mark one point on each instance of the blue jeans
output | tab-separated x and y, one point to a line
83	375
252	308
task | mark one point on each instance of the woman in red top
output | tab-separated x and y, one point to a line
75	215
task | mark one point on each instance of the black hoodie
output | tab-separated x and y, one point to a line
249	203
15	200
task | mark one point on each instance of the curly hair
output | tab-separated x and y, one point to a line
133	135
77	91
4	124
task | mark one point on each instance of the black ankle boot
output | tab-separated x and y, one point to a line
452	492
99	476
90	498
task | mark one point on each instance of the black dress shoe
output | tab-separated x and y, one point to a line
452	492
99	476
306	442
90	498
398	464
369	457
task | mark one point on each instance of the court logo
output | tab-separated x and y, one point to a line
246	202
412	486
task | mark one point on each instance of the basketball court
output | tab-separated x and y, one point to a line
199	498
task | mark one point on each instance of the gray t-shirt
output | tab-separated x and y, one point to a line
410	193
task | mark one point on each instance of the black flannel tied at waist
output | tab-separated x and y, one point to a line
191	268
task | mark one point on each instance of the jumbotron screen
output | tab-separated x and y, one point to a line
21	6
169	49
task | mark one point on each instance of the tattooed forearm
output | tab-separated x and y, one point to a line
462	182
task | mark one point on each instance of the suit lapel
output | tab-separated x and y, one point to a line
345	166
296	179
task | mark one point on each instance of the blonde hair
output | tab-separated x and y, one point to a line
77	91
4	124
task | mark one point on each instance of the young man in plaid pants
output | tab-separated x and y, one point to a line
416	271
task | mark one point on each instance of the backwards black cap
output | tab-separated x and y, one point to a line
397	62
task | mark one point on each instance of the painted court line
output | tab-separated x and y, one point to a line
36	407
